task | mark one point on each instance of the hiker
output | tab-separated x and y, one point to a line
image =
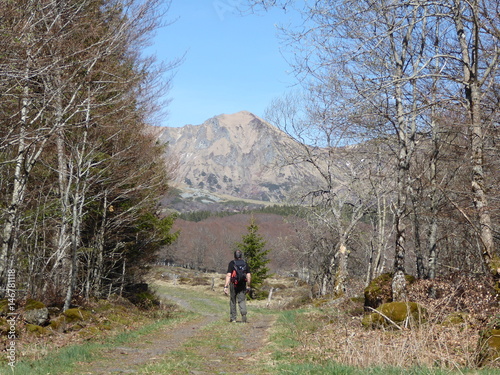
237	285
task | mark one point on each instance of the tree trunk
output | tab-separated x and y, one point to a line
122	281
400	209
342	272
21	172
478	191
473	97
416	235
99	263
433	227
75	239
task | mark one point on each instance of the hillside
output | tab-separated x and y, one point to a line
239	155
209	244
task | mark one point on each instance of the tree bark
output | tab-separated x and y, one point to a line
473	96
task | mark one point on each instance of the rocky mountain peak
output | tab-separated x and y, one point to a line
235	154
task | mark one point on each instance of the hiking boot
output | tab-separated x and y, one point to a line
232	321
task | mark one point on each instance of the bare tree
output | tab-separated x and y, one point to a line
86	95
478	40
401	68
27	129
338	196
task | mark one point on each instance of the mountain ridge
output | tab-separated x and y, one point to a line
237	154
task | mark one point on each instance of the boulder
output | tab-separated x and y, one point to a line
4	307
396	313
455	318
76	315
36	313
36	330
379	291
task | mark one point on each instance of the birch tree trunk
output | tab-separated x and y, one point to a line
26	156
470	47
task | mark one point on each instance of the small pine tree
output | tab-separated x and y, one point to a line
252	246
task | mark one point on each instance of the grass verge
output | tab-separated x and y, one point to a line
296	348
66	359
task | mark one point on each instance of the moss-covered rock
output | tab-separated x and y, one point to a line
32	304
105	325
489	342
455	318
75	327
36	330
400	313
71	320
488	347
4	327
493	340
495	266
379	291
58	324
36	313
4	307
89	332
76	315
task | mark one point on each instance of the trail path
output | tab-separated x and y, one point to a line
200	345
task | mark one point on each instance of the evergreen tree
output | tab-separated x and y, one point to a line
252	246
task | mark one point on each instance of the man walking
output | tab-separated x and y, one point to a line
238	280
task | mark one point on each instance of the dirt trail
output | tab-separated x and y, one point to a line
159	346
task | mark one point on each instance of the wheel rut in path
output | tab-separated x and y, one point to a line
127	359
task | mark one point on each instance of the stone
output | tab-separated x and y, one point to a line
38	316
399	313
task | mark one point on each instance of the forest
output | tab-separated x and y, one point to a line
80	169
397	110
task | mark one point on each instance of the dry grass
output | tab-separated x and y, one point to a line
449	339
344	340
331	330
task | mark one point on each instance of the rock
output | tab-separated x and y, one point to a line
455	318
36	329
399	313
4	307
488	347
36	313
379	291
76	315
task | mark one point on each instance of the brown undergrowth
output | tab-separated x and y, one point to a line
458	308
343	339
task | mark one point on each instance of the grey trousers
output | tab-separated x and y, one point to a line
237	296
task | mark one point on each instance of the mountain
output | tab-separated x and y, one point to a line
239	155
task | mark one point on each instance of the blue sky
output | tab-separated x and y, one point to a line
232	62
